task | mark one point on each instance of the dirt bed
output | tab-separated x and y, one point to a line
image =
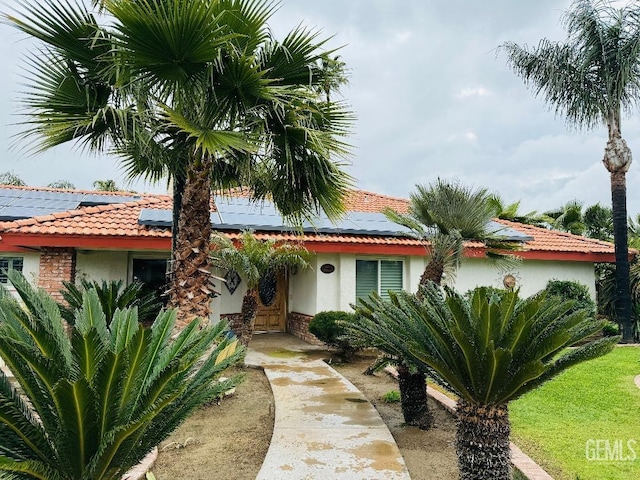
230	440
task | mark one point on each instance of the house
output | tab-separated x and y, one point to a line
57	235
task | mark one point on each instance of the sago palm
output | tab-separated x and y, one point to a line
112	296
199	91
590	79
254	260
488	350
93	403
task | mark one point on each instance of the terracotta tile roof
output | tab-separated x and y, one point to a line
553	240
64	190
121	220
363	201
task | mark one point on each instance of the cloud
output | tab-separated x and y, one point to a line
432	100
472	92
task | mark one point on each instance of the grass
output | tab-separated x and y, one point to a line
583	424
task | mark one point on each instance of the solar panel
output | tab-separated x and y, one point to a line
17	213
89	199
242	214
155	218
17	204
507	233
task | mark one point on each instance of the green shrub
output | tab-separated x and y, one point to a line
611	329
571	290
392	396
329	327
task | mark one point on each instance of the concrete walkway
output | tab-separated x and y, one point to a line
324	427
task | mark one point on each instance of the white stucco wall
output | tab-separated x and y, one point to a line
303	287
531	275
226	302
98	265
311	291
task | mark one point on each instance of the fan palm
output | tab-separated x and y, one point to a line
199	91
590	79
254	260
93	404
445	214
489	351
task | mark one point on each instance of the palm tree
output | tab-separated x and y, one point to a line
62	184
442	215
11	178
598	221
567	218
93	403
590	79
489	351
255	261
213	101
445	214
108	185
511	212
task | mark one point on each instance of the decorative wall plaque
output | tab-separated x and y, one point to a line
509	281
327	268
232	280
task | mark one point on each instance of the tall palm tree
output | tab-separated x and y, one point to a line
93	403
213	100
488	350
255	260
590	79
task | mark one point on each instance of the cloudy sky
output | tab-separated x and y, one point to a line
431	96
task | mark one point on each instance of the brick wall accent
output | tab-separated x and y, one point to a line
56	265
234	320
298	325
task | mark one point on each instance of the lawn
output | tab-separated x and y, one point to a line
585	424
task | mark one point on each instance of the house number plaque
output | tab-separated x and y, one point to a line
327	268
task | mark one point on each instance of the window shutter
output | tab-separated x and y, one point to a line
390	277
366	278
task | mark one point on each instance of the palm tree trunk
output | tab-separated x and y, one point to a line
190	292
617	160
482	441
620	235
249	312
433	272
413	386
413	398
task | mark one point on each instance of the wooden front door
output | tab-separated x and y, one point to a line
274	317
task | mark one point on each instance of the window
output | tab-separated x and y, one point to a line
378	276
9	263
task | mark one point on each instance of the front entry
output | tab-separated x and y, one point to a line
274	317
